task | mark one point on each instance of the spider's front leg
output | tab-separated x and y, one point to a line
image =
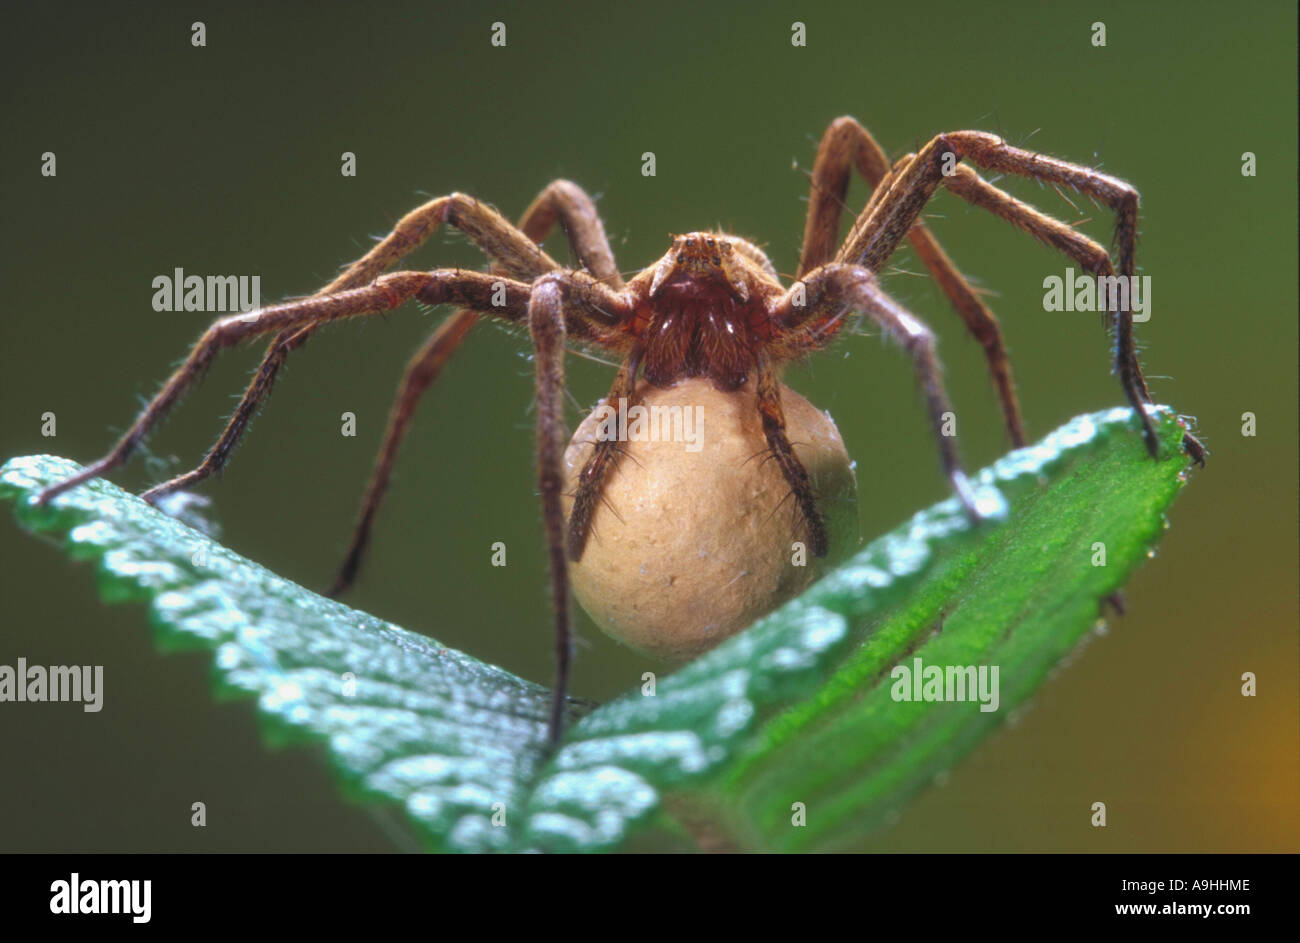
829	294
563	305
563	203
546	325
518	256
847	146
472	289
897	204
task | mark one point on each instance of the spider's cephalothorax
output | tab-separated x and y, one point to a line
705	312
712	307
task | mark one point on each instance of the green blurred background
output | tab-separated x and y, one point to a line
225	159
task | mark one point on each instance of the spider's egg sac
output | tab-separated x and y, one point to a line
696	534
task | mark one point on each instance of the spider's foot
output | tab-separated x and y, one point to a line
67	484
158	492
1115	601
961	486
346	575
1150	437
559	708
1193	447
193	510
980	504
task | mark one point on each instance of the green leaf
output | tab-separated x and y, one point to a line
800	708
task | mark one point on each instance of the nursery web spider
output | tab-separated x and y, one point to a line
712	307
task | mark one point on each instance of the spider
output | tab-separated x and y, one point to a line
712	307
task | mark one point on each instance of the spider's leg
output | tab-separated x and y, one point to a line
847	145
517	255
383	294
600	464
967	184
875	237
564	305
260	387
567	203
974	189
563	202
420	374
754	254
830	293
773	416
547	327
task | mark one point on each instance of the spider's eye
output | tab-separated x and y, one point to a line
710	243
681	258
716	260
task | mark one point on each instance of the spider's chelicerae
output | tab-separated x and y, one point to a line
712	307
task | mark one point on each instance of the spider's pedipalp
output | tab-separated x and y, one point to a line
604	456
778	441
